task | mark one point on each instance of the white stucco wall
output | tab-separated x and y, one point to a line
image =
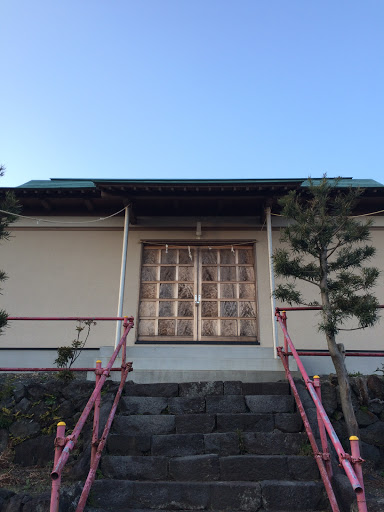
65	271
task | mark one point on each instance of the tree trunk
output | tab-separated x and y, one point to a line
336	355
345	389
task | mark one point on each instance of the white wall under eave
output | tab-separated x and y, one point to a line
302	325
132	284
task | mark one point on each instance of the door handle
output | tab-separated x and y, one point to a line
197	299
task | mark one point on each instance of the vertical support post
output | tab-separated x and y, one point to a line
59	444
122	275
286	346
96	415
357	462
124	347
272	281
323	434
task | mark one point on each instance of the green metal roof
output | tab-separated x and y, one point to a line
349	182
70	183
58	184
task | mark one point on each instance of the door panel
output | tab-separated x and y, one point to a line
168	285
198	294
226	277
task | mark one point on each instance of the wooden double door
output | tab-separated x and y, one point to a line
197	294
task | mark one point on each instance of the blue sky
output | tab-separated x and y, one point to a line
191	89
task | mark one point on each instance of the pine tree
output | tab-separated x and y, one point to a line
327	248
8	204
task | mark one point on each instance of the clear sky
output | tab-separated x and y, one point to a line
191	89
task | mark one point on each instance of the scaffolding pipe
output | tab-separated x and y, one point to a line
272	282
122	275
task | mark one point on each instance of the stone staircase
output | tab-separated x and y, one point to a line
215	446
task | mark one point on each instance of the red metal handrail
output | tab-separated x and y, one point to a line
64	445
72	318
346	460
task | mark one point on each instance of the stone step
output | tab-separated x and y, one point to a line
93	509
131	405
204	389
220	422
269	495
197	363
210	467
223	444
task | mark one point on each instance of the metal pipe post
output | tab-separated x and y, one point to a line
272	281
59	444
286	348
124	347
311	437
327	423
122	274
92	472
96	415
323	434
357	462
81	421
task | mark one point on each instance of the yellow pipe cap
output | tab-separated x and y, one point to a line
61	424
98	361
316	377
353	438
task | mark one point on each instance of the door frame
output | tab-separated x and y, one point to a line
197	338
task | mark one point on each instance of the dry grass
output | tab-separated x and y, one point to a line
30	479
373	480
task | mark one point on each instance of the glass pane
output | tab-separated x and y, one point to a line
147	308
247	309
185	309
149	273
149	291
246	274
245	256
228	327
167	327
227	291
168	257
209	327
185	291
227	273
208	256
209	308
151	256
184	328
184	256
248	328
228	308
246	291
209	291
209	274
147	327
166	308
167	273
186	273
167	291
227	256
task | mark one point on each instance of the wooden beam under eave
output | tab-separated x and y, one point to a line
46	205
89	205
132	215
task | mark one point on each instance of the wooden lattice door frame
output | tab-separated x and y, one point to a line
198	293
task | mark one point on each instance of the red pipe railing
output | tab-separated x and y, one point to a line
346	353
348	462
64	445
93	402
72	318
319	458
